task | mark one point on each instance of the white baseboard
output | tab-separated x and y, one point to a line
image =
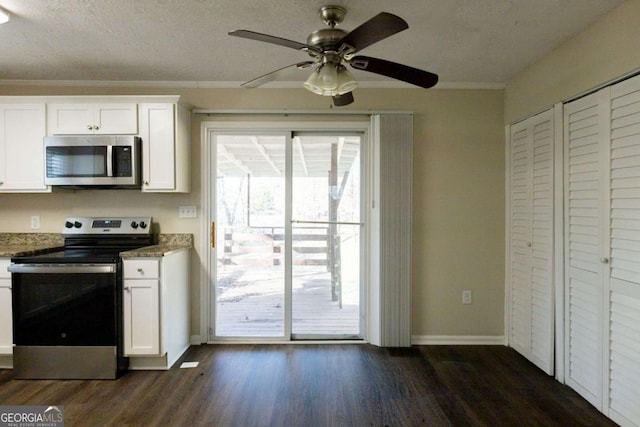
196	340
458	340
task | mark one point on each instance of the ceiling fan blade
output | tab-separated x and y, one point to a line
266	78
394	70
377	28
342	100
252	35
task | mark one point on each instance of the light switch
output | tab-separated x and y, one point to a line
187	212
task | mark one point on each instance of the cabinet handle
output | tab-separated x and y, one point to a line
89	127
140	270
126	288
96	127
146	183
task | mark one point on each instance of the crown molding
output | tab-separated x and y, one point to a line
236	85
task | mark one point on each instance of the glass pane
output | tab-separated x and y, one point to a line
326	236
76	161
250	236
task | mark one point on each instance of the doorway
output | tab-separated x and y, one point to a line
288	235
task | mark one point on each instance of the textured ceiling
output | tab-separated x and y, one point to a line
479	41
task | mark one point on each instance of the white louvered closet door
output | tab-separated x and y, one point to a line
586	129
624	310
531	239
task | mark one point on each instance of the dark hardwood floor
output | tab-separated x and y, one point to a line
320	385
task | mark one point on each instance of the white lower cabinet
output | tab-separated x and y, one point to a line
156	310
6	322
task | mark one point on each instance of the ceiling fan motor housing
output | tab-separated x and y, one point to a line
326	38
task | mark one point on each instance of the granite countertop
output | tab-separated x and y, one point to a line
167	243
21	244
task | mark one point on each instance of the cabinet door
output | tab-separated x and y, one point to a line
70	119
157	130
22	128
141	317
121	119
87	119
6	322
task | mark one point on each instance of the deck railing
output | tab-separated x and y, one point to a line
310	247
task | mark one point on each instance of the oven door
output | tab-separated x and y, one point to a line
65	304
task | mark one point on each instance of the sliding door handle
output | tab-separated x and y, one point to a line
213	234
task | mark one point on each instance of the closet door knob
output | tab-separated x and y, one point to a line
604	260
529	244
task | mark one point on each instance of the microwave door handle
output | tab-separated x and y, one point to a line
109	160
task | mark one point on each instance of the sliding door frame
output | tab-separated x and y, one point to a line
208	272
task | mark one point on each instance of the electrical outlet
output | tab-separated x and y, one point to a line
467	297
187	212
35	222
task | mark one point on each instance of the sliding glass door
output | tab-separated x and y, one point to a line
287	235
326	236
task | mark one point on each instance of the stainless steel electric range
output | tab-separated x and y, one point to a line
67	303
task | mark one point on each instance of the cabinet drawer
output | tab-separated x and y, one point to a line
4	264
141	269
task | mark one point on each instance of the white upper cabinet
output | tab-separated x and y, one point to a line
22	129
166	151
89	119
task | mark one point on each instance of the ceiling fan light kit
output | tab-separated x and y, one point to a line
331	48
330	80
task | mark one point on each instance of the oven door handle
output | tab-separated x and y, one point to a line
62	268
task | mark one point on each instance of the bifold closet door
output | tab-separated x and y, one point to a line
624	282
531	239
586	138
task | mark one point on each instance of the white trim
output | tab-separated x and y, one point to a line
286	112
70	99
507	235
236	85
196	340
206	296
558	239
280	341
205	232
458	340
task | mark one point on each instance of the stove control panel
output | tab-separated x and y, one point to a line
107	225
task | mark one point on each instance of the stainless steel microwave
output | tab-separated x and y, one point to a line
93	161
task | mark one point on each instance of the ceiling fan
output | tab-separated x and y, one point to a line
331	48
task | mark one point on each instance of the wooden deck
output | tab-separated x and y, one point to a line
251	303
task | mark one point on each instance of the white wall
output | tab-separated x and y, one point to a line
604	51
